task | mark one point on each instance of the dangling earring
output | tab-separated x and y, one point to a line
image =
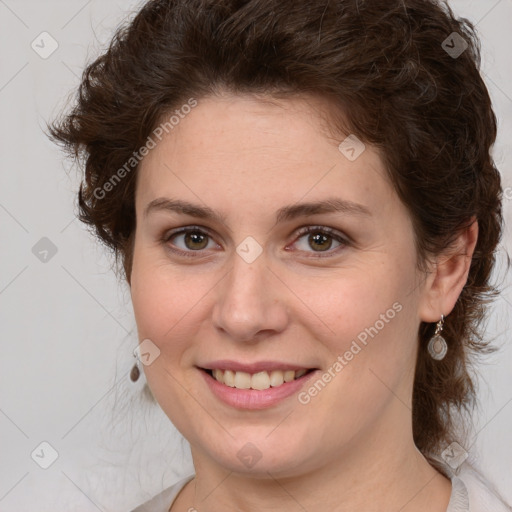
135	371
437	346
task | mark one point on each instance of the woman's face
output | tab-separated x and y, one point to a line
249	288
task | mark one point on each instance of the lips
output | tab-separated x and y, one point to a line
256	385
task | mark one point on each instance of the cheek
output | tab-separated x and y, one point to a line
367	316
163	304
348	301
170	305
160	295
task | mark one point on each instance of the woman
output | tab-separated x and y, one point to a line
302	197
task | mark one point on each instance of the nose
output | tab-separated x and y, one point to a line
250	303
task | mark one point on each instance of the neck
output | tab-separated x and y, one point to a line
364	477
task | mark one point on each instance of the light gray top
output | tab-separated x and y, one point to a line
470	493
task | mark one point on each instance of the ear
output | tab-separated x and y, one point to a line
449	274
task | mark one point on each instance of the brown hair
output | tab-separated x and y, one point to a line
384	63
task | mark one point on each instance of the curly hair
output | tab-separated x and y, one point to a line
386	67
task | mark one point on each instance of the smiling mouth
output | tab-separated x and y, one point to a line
258	381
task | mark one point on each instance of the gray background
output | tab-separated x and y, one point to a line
67	328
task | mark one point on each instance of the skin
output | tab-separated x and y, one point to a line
351	447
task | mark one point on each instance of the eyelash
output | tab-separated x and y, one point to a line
301	232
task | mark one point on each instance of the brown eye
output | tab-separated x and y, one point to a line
320	241
195	240
187	241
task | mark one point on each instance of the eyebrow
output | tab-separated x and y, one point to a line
287	213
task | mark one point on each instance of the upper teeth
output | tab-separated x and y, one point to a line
260	380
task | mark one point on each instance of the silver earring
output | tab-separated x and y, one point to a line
437	346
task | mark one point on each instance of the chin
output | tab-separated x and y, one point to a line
259	455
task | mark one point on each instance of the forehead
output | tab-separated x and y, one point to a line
253	149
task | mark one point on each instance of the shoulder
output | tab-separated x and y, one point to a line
163	500
473	492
